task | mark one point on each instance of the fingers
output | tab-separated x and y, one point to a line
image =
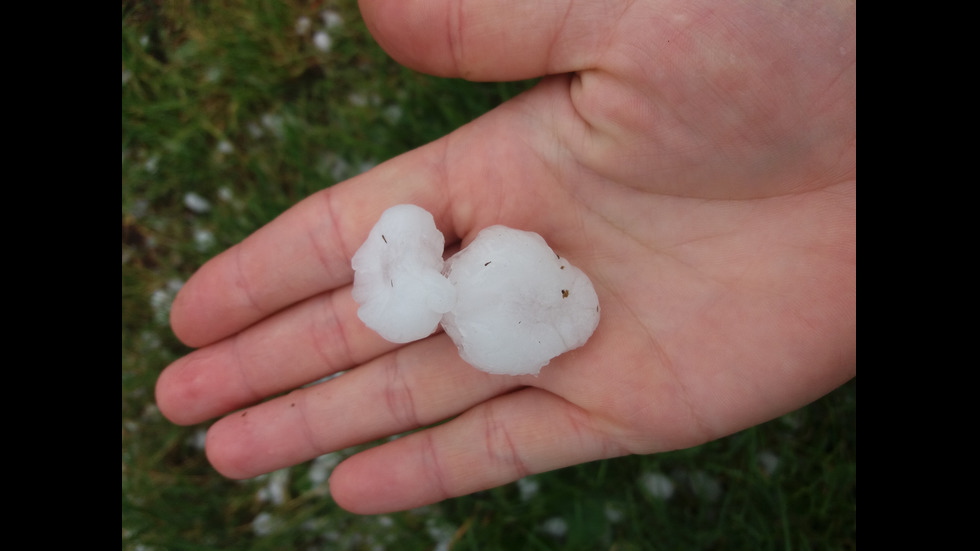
490	39
316	338
522	433
414	386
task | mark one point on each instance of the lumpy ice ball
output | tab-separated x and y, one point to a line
518	305
508	302
398	279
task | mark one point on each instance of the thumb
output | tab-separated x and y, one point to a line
489	39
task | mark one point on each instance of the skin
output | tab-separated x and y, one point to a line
696	159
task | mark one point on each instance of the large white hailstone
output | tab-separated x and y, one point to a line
398	279
518	304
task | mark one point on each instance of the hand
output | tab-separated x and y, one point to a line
697	160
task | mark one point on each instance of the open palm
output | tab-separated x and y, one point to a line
697	160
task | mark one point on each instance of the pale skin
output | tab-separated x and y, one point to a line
695	159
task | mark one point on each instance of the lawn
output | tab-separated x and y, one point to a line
233	111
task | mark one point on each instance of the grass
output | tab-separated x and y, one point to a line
226	103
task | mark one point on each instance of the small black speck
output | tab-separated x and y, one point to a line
564	293
383	238
562	268
487	263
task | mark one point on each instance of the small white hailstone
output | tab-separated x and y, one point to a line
768	462
151	163
203	239
161	300
331	19
303	24
225	147
555	527
658	484
398	279
276	489
320	470
322	41
274	123
357	99
225	194
438	529
196	203
518	304
198	439
528	487
264	524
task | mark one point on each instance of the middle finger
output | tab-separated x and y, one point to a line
414	386
312	339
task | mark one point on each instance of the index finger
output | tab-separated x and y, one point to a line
303	252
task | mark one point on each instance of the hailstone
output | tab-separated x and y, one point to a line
508	302
518	304
398	279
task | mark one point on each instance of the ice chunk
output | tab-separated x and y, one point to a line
508	302
398	279
518	304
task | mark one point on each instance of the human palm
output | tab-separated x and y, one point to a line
697	161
